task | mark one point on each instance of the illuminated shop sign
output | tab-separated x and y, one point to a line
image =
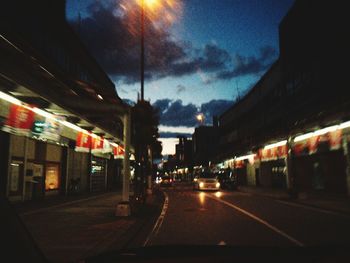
19	121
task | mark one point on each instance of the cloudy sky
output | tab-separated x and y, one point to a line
201	55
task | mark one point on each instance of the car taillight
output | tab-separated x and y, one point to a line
171	180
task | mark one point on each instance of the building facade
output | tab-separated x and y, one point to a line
291	130
60	115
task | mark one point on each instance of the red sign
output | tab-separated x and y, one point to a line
239	164
313	143
20	120
118	152
83	143
97	145
335	139
273	153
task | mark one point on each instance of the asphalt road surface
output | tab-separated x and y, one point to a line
241	219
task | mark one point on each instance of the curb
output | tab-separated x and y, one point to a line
133	235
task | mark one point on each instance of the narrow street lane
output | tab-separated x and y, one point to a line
236	218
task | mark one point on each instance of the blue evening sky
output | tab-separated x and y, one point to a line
240	27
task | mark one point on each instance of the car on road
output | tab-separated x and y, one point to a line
206	181
227	179
166	181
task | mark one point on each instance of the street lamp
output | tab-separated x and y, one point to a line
200	118
157	10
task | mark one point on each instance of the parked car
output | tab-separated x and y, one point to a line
227	179
206	181
166	181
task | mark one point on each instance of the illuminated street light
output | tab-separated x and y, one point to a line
200	118
164	10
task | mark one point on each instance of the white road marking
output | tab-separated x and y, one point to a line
273	228
159	222
62	205
313	208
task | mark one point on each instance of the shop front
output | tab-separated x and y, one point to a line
273	167
320	164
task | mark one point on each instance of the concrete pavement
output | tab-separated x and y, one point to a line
70	229
332	203
244	219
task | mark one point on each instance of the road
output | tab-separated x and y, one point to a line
236	218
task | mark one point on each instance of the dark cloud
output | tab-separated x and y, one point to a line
162	105
250	65
180	88
178	114
175	113
113	38
174	134
214	108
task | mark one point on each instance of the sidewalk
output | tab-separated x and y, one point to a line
32	206
334	203
68	229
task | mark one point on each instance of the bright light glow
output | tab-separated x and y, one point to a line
9	98
303	137
200	117
41	112
274	145
326	130
244	157
99	96
217	185
202	198
201	184
195	179
151	3
344	125
71	126
218	194
321	131
114	144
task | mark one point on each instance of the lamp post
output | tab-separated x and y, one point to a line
142	48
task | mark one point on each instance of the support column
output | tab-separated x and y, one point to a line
347	159
290	176
25	157
106	174
67	171
123	208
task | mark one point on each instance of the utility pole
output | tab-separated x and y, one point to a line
123	208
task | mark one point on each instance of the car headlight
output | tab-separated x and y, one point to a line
195	179
217	185
201	185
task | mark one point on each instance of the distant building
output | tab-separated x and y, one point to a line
205	142
184	151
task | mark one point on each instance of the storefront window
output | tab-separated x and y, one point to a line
52	177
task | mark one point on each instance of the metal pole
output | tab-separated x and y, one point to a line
126	161
25	167
347	159
67	171
123	207
142	48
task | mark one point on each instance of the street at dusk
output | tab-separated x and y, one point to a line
174	131
243	219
